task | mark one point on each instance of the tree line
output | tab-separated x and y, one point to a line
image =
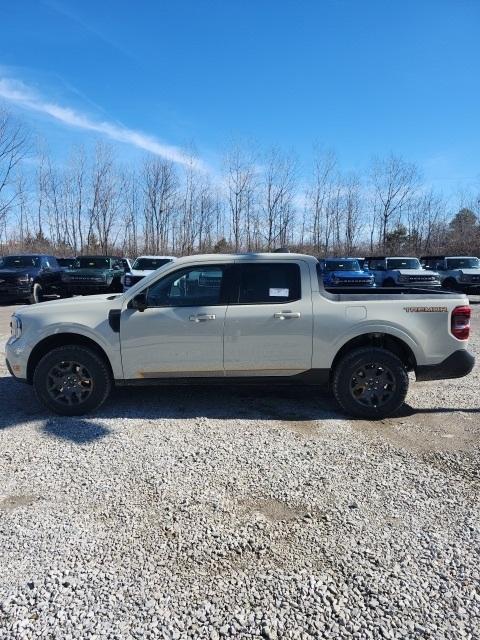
258	200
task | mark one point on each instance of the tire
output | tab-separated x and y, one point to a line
36	295
450	285
389	282
387	391
72	380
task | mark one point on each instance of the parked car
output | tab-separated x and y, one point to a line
401	272
66	263
344	272
261	318
457	273
143	266
94	274
29	277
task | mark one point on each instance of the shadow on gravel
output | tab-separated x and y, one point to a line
77	430
20	407
299	407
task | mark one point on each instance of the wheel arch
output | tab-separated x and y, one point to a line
61	340
384	341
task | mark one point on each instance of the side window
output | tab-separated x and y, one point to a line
53	262
269	283
377	265
190	287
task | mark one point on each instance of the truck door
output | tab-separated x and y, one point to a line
180	333
268	325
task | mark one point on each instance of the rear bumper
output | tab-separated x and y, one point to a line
458	364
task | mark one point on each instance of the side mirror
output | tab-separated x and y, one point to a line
139	302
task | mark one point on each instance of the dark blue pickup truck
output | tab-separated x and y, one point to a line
344	272
29	277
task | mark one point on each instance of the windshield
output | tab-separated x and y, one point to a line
66	262
403	263
463	263
342	265
92	263
20	262
149	264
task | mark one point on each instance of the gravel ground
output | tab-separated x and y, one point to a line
207	513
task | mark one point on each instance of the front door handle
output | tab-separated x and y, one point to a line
203	317
287	315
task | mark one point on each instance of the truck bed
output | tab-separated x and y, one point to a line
354	294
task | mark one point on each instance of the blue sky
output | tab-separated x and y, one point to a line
361	77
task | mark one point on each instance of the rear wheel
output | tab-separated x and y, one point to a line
72	380
370	383
36	294
450	284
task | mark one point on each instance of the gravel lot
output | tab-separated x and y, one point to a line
207	513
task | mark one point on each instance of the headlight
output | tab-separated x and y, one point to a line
23	279
127	281
464	278
336	280
403	279
15	327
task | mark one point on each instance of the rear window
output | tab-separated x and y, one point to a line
268	283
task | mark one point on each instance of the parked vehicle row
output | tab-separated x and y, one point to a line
31	277
456	273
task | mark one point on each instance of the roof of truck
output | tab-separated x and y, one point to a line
247	256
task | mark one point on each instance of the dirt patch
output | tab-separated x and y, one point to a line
8	503
427	431
271	510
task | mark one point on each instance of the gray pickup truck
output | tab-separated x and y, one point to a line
400	272
457	273
255	318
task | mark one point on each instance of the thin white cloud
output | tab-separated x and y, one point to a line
18	93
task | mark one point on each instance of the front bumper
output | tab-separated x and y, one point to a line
17	352
460	363
12	291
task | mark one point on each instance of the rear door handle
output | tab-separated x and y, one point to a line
203	317
287	315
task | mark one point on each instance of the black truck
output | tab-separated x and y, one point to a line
94	274
29	277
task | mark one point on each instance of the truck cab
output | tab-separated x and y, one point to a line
401	272
457	273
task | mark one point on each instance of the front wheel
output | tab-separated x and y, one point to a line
36	295
370	383
72	380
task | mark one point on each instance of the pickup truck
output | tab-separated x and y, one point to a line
94	274
143	266
457	273
400	272
344	272
254	318
29	277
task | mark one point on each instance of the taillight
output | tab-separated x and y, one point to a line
461	322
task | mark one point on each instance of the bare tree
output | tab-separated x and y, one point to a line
14	146
395	182
278	191
105	188
160	184
318	197
241	177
